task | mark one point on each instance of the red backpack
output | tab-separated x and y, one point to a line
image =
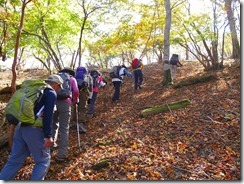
135	63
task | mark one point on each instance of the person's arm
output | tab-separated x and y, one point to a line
49	101
74	89
90	83
179	63
127	73
142	66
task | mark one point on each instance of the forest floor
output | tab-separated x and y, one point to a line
199	142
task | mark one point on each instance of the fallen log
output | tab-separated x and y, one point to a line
195	80
168	107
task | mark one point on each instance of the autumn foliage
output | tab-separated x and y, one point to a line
198	142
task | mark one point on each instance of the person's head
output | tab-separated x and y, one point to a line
68	70
55	81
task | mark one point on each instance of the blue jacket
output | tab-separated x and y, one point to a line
122	73
48	101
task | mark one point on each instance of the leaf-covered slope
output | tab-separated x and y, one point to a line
198	142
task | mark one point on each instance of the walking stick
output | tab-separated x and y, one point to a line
77	123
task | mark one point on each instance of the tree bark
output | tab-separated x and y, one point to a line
167	30
235	43
13	84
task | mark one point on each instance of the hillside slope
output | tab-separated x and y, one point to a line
199	142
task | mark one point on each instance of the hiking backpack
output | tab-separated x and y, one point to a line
174	59
135	63
114	72
64	92
20	107
94	74
81	77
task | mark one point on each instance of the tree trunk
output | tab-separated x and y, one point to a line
167	30
13	84
215	63
168	107
235	43
167	76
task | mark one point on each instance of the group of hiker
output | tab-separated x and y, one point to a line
54	107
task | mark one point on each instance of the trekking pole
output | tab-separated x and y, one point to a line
172	114
77	123
169	109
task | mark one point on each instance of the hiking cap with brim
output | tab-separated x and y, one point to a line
55	78
68	70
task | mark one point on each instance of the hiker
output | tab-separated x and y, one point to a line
33	140
137	67
167	74
118	80
85	85
97	82
63	113
174	64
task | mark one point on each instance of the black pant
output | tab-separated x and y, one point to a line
116	90
138	78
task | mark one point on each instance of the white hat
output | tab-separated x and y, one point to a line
55	78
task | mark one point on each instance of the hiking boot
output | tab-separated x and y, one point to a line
82	128
60	159
115	101
89	115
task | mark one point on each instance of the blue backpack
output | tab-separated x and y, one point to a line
174	59
80	77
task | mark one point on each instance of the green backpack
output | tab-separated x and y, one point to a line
20	107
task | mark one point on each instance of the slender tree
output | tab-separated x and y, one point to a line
167	30
235	43
17	43
167	72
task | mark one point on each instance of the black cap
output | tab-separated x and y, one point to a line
68	70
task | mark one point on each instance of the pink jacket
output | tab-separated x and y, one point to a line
75	91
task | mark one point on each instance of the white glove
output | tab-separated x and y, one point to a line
102	84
